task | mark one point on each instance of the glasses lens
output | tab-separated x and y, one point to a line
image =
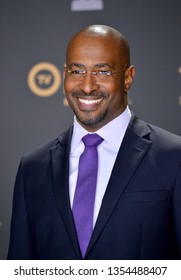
103	74
76	73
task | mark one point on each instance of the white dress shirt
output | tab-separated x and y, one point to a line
113	134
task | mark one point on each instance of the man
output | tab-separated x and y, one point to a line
137	206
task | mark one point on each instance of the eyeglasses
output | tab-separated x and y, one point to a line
78	73
100	74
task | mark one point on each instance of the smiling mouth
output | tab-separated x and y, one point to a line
90	101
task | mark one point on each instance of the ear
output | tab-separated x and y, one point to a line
128	78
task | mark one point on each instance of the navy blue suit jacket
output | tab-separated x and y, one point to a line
140	216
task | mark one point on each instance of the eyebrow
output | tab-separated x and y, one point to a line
76	64
98	65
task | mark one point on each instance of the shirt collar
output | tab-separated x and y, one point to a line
113	132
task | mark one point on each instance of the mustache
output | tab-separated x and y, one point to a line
91	94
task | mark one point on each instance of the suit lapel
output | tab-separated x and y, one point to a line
133	149
60	175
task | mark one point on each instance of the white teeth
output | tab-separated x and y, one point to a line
90	102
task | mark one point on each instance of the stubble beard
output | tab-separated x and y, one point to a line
86	117
89	120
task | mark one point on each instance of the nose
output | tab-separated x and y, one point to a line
89	83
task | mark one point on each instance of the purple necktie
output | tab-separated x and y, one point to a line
83	204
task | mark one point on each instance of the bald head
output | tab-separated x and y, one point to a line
107	34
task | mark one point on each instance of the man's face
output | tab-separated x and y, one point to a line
96	100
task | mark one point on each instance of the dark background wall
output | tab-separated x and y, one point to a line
34	32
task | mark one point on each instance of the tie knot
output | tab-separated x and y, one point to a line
92	139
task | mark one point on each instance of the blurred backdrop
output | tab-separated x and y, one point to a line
34	35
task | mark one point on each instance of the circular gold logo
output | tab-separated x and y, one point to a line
44	79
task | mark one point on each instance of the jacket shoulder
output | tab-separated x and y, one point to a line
164	137
42	152
159	137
